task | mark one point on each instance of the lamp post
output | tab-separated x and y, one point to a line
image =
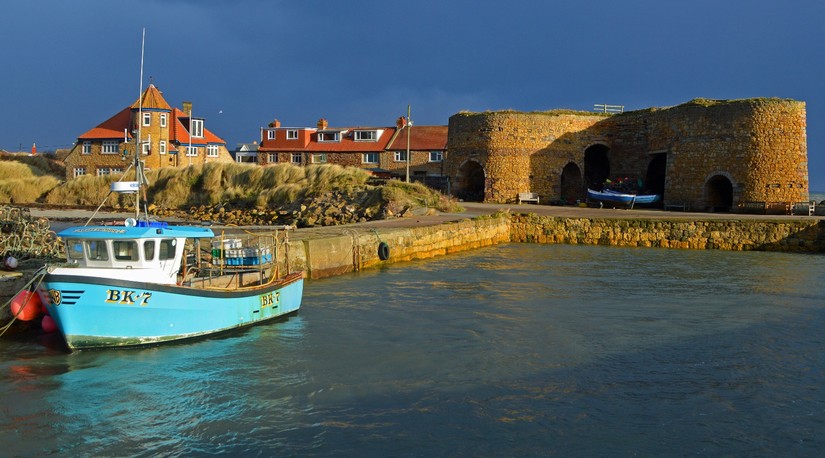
409	125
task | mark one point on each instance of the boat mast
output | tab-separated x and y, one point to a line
138	141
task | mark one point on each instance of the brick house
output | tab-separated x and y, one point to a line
170	138
382	150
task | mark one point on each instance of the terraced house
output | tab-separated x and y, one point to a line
170	137
382	150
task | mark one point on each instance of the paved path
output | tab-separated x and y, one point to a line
67	217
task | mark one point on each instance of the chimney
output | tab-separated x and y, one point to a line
187	108
401	122
275	124
322	124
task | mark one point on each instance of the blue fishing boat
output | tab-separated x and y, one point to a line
147	282
615	197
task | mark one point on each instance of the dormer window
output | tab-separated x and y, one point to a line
197	128
292	134
329	136
366	135
270	134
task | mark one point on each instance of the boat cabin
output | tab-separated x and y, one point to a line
153	253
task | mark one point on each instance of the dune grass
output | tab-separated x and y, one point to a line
25	179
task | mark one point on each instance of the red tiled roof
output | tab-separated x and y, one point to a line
180	131
422	138
110	128
346	145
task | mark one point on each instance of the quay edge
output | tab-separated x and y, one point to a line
356	248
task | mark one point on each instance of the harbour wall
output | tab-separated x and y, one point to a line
355	248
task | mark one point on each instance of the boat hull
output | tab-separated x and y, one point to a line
95	313
624	199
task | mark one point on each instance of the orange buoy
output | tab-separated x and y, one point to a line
48	324
26	305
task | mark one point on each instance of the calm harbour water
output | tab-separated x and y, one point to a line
516	350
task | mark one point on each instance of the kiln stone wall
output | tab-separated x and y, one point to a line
759	145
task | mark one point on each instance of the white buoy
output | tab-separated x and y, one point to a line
11	262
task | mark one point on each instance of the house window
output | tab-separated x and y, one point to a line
329	136
370	158
319	158
146	147
271	158
110	146
162	147
147	119
270	135
292	134
103	171
212	150
79	171
296	158
197	128
117	171
191	150
366	136
87	148
400	156
163	120
436	156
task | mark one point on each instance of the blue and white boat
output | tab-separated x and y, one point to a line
148	283
615	197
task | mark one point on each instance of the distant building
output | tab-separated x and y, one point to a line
382	150
246	153
169	138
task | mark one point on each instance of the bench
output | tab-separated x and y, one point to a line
528	197
802	208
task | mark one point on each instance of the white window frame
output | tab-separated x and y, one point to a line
163	120
87	148
109	147
365	158
319	158
162	147
145	148
292	134
329	137
192	151
400	156
196	128
272	158
366	135
212	151
79	171
147	119
296	158
438	155
270	134
102	171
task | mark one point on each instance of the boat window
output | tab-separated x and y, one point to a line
149	250
75	249
125	250
167	249
96	250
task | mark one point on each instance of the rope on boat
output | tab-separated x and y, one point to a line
36	280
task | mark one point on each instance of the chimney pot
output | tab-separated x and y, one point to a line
322	124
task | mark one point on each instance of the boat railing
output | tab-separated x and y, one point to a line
239	260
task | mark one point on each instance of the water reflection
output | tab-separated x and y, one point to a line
515	350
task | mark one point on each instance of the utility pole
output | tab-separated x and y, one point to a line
409	125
